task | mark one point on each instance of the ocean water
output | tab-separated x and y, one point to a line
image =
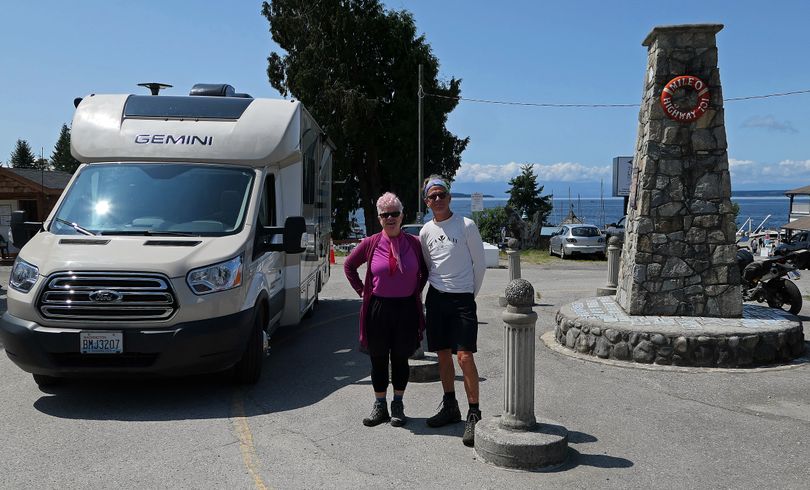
609	210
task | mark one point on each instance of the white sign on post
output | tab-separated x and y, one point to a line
622	175
476	202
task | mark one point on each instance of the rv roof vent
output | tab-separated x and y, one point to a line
216	90
154	87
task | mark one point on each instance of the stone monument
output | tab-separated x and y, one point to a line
679	250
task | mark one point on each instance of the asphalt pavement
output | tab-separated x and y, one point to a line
300	426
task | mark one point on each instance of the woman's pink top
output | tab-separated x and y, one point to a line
400	282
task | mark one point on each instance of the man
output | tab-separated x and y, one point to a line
454	254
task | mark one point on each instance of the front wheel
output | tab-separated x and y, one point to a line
786	296
249	368
550	249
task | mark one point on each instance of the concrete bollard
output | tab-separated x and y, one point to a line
518	341
513	262
614	255
516	439
513	258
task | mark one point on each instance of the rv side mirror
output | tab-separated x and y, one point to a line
294	227
21	230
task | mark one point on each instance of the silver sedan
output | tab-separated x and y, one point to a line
580	239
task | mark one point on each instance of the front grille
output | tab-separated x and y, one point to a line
107	296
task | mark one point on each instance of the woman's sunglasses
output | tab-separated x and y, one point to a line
392	214
437	196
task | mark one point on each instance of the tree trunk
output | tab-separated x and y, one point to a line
370	186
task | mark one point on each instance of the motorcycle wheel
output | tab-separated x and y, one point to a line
787	297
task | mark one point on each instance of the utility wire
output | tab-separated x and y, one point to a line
533	104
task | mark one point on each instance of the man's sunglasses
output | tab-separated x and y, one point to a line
392	214
436	197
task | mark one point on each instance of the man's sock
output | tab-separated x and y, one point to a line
449	396
397	398
474	407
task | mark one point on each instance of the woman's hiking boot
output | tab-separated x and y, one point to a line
379	415
398	417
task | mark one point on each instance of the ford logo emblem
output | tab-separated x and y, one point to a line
105	296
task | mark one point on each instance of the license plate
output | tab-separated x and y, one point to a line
101	342
794	275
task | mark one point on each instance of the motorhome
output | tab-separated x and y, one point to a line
195	226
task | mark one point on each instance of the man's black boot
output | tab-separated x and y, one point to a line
448	414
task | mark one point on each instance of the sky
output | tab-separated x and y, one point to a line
586	52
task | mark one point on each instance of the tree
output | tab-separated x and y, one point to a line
354	66
22	157
61	159
525	196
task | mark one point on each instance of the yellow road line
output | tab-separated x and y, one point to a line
246	447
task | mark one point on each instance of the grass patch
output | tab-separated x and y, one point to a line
533	256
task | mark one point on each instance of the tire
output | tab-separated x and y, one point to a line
44	381
786	296
249	368
550	249
562	252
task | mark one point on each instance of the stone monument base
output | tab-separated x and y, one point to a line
599	327
543	447
424	369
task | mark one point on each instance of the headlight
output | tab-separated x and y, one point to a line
23	276
217	277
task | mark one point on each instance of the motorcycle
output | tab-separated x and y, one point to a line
771	280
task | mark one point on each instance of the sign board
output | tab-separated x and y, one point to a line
622	175
476	202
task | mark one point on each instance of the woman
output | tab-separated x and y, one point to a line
391	317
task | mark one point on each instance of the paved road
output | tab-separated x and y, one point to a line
300	427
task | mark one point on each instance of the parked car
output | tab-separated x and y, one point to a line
799	241
576	239
412	228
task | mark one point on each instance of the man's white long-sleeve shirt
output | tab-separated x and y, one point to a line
454	253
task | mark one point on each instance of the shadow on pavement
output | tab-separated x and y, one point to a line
306	363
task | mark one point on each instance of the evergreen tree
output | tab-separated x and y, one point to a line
354	65
525	196
61	159
23	157
42	164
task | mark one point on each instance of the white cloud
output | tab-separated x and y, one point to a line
770	123
558	172
760	175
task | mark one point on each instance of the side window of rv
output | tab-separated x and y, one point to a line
309	142
267	208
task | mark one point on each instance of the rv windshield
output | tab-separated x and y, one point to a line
155	199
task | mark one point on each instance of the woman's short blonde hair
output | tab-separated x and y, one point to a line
387	200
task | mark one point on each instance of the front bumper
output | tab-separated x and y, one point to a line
201	346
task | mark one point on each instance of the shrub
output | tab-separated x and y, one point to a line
490	221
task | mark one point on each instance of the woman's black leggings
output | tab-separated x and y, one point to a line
379	372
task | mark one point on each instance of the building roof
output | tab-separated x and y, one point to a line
800	190
798	224
52	179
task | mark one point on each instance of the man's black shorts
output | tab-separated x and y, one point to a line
451	321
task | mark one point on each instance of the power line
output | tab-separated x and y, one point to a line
536	104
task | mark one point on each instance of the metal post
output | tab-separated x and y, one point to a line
421	94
